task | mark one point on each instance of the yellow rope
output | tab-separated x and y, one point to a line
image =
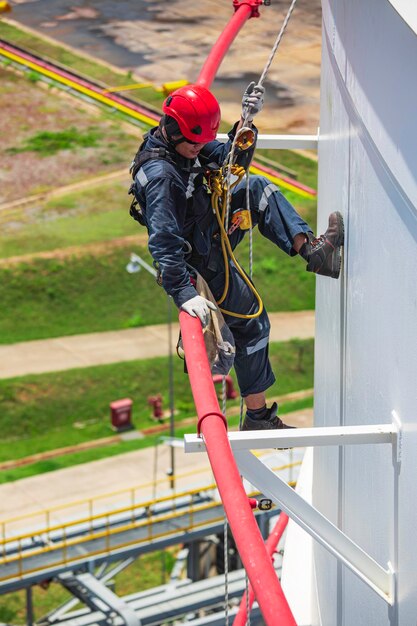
219	192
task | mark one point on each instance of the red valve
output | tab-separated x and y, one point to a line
254	4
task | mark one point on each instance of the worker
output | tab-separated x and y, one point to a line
171	190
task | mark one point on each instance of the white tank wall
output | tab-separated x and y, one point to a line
366	328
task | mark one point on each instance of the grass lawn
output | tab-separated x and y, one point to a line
49	411
93	215
55	139
114	449
100	295
99	213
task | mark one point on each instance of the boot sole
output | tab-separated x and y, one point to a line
341	226
340	242
337	254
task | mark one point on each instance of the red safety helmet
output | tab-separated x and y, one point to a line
196	111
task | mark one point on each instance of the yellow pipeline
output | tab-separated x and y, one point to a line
85	90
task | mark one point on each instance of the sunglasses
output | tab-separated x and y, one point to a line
193	143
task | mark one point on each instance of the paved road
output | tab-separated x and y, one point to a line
62	353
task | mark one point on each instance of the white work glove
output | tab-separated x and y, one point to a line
252	101
199	307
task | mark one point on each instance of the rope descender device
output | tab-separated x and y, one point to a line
245	138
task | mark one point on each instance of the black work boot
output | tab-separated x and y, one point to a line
267	419
323	254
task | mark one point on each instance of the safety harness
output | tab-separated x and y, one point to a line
141	157
218	181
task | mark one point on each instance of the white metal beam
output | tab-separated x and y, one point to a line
281	142
303	513
303	437
316	524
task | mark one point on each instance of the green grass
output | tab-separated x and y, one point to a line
47	143
98	214
109	450
50	298
306	168
147	571
49	411
94	293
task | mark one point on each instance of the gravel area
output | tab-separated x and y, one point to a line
167	41
28	109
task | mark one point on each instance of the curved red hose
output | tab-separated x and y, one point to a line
222	45
271	545
252	551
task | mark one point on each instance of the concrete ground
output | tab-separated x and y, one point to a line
62	353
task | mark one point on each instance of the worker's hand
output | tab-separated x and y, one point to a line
199	307
252	101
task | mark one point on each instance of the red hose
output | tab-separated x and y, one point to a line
271	545
252	551
222	45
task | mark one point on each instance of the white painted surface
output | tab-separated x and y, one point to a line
366	323
297	577
408	11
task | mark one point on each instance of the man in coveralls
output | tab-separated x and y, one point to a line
174	202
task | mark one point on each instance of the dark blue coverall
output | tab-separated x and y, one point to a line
176	206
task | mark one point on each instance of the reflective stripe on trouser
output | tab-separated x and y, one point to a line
252	366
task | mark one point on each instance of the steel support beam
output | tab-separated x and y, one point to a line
303	437
282	142
317	525
97	596
381	580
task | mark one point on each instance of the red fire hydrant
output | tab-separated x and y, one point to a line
156	403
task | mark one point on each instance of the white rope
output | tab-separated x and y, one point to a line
224	395
250	229
245	120
231	157
226	225
277	42
226	572
247	600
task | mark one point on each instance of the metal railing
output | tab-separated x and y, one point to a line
99	533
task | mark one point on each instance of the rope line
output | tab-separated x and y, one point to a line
277	42
247	600
224	395
226	214
226	572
